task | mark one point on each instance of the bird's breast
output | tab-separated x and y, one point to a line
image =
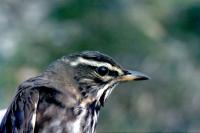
78	119
85	120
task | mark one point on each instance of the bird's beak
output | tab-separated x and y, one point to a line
133	75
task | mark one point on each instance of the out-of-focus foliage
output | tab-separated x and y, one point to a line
159	38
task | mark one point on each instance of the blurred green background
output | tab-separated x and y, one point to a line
158	37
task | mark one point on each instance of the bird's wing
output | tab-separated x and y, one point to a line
21	115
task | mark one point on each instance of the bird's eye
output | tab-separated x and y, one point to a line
102	70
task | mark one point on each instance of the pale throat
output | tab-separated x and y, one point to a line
105	91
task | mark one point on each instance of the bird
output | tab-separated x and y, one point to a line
67	96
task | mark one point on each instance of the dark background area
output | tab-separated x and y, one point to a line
159	38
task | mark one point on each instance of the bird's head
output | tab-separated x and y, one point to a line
97	74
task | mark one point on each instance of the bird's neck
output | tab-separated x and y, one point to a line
89	114
61	76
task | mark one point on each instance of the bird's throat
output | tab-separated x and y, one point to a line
105	92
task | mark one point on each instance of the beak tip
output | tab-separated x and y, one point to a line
143	78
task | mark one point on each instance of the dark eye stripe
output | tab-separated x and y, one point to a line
113	73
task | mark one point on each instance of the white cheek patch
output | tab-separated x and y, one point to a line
81	60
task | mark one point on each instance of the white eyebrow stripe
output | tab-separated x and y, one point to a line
81	60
